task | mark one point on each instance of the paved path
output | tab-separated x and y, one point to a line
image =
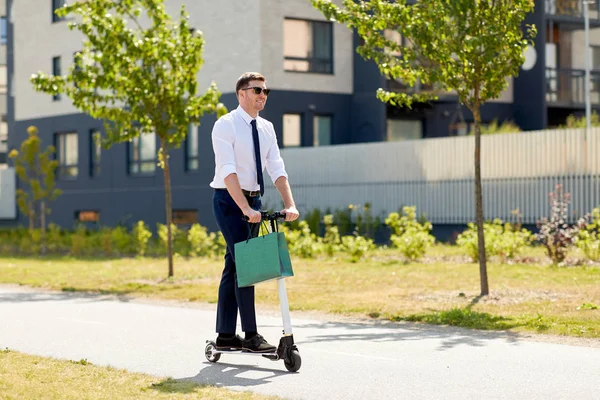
339	360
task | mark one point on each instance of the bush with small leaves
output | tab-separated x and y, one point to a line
501	239
357	246
588	239
78	239
413	243
331	241
410	236
106	241
202	244
141	236
121	240
555	233
510	241
303	242
56	240
180	242
220	245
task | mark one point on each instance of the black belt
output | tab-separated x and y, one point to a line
252	193
249	193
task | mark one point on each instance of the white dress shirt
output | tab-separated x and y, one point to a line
234	150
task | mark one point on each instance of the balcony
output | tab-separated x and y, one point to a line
571	9
566	87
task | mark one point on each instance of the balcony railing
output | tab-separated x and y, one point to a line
567	86
572	8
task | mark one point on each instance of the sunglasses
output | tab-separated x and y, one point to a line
259	90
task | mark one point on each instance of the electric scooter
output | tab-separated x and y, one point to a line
287	350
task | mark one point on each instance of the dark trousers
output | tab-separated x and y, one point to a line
231	298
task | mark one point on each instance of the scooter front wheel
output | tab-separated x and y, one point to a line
293	361
210	351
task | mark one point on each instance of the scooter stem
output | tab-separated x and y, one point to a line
285	307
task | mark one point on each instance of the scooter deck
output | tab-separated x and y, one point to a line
272	355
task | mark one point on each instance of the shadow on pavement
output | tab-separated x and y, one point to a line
31	296
400	332
222	374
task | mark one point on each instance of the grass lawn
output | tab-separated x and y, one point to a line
29	377
523	297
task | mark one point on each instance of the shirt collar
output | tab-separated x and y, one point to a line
245	116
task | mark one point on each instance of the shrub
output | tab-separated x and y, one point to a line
106	241
588	239
331	241
78	241
202	244
141	235
55	238
555	233
357	246
409	235
303	242
501	239
219	243
121	241
313	219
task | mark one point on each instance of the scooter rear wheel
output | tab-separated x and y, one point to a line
210	353
293	361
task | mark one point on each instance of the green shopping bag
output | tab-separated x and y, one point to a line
262	258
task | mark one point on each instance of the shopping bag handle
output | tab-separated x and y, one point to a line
266	216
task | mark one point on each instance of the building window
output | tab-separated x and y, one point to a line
292	130
142	154
322	130
56	72
67	155
95	152
191	152
56	4
404	129
185	217
87	216
308	46
3	30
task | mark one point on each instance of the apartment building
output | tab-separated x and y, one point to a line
323	94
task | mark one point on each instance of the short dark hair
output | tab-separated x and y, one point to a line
246	77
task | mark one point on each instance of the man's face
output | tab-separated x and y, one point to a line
251	101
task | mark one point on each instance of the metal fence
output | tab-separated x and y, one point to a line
436	175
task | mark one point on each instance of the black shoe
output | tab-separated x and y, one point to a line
257	344
232	343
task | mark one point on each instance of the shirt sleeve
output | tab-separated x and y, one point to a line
275	165
223	135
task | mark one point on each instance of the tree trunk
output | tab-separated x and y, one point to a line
479	204
168	205
43	224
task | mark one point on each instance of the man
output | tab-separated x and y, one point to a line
244	144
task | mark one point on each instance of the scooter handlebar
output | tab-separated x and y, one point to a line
267	216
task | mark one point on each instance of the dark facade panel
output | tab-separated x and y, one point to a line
122	198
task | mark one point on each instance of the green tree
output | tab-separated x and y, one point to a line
36	172
466	46
138	72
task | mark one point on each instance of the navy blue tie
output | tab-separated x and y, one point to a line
259	173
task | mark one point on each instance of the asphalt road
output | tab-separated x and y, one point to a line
340	360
